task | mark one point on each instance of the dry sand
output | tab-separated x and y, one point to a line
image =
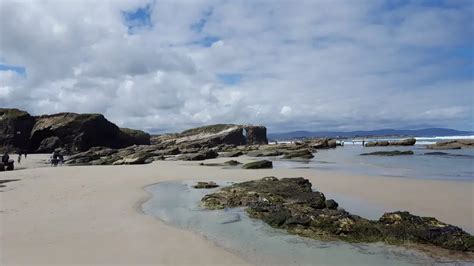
92	215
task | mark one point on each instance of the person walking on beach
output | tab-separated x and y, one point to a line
26	153
363	143
19	158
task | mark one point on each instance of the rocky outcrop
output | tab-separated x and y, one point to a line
452	145
258	165
389	153
256	135
403	142
70	131
15	128
291	204
323	143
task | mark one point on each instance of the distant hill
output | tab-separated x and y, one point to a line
427	132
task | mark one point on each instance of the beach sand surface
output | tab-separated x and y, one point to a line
92	214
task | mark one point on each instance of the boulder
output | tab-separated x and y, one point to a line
258	165
291	204
331	204
389	153
299	154
129	137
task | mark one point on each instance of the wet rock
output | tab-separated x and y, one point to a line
299	154
382	143
48	145
258	165
389	153
206	185
291	204
452	145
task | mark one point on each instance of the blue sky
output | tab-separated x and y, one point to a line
290	65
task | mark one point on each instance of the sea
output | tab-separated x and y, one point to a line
424	164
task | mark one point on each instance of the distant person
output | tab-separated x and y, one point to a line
19	157
26	153
55	158
363	143
61	159
5	158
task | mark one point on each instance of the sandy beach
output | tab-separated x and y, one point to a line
92	214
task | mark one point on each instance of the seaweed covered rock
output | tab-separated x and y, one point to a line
258	165
291	204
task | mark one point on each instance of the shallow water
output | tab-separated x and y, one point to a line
177	203
454	165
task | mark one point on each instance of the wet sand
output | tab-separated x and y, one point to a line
92	214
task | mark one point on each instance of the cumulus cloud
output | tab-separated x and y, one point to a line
164	66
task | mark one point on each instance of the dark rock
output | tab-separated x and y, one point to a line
258	165
291	204
301	154
48	145
389	153
256	135
206	185
403	142
15	128
204	155
129	137
331	204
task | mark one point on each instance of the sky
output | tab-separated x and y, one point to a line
164	66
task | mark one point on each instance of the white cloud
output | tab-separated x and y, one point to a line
342	66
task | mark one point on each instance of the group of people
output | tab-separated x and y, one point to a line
6	157
57	158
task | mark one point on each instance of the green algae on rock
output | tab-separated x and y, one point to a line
291	204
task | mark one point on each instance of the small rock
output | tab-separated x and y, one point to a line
258	165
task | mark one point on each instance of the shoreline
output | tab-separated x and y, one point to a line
90	213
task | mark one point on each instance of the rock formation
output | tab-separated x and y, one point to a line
403	142
452	144
15	128
291	204
69	131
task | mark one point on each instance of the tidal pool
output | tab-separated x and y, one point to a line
177	203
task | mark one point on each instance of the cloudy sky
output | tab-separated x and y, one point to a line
165	66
